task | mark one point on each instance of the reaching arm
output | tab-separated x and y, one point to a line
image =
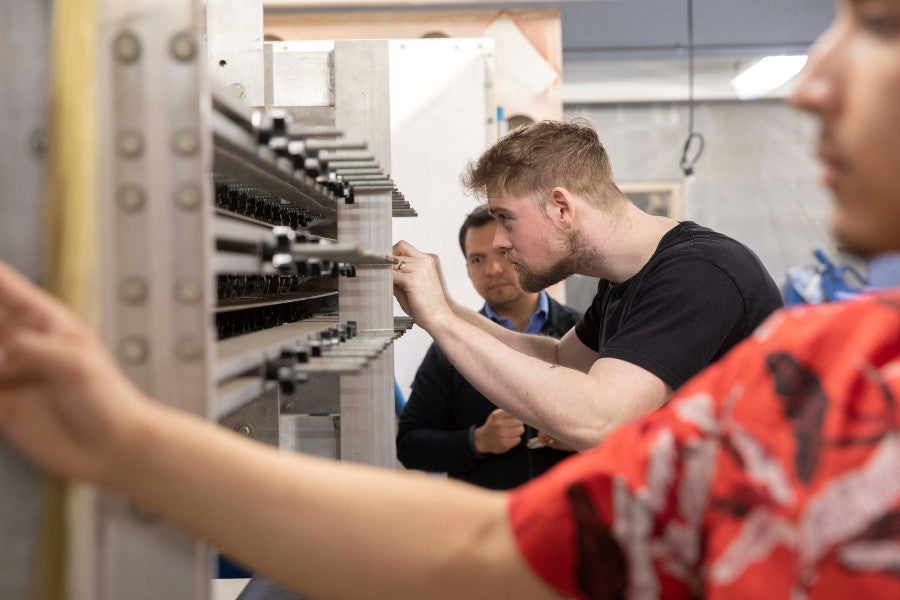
330	530
575	407
578	402
543	347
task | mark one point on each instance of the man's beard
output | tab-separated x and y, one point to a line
535	281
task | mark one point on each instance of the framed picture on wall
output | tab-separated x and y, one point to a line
663	198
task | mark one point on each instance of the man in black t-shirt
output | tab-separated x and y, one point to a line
447	426
673	297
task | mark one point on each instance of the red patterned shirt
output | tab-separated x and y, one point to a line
775	473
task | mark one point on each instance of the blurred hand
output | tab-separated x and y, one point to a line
64	404
500	433
419	285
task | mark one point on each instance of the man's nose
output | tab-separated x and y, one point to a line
501	242
494	264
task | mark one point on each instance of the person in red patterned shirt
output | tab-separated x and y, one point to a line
774	473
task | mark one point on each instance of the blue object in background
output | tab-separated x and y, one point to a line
399	400
822	282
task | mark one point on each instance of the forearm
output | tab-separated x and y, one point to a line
328	530
566	403
537	346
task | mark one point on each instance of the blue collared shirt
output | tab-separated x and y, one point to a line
884	270
535	324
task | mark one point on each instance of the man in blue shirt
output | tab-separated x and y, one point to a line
447	425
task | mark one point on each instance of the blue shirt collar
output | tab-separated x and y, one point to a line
884	270
538	319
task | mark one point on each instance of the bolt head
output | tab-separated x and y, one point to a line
130	198
126	47
133	290
129	144
188	197
183	47
185	142
134	350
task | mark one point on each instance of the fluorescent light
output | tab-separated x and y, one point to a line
766	75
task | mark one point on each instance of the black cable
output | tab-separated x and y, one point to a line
687	164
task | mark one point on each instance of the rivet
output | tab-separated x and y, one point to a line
188	291
185	142
133	290
189	348
188	197
38	142
183	46
130	144
244	429
134	350
126	47
238	90
130	197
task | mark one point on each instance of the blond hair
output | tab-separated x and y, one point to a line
535	158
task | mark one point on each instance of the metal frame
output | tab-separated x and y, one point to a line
156	146
24	31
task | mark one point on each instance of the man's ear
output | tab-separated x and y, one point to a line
561	207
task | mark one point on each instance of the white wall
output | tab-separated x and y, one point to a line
757	180
441	104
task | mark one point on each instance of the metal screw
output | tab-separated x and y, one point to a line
188	197
130	197
126	47
238	90
130	144
189	348
188	291
38	142
183	46
244	429
134	350
185	142
133	290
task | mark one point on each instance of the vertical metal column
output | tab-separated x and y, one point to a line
362	111
24	56
155	152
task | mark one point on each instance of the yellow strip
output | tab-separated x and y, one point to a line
70	265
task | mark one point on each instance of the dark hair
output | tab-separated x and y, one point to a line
535	158
477	218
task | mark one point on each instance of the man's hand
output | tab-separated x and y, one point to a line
64	404
500	433
419	285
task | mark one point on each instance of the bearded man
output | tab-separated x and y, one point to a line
673	296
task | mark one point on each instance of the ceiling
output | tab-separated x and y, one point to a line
636	50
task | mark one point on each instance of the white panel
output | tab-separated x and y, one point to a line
438	134
300	77
235	47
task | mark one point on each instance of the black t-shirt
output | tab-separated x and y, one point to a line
699	294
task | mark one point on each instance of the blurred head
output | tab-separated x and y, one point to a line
852	84
532	160
493	277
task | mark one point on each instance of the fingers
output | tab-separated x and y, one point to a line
404	248
24	304
29	355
